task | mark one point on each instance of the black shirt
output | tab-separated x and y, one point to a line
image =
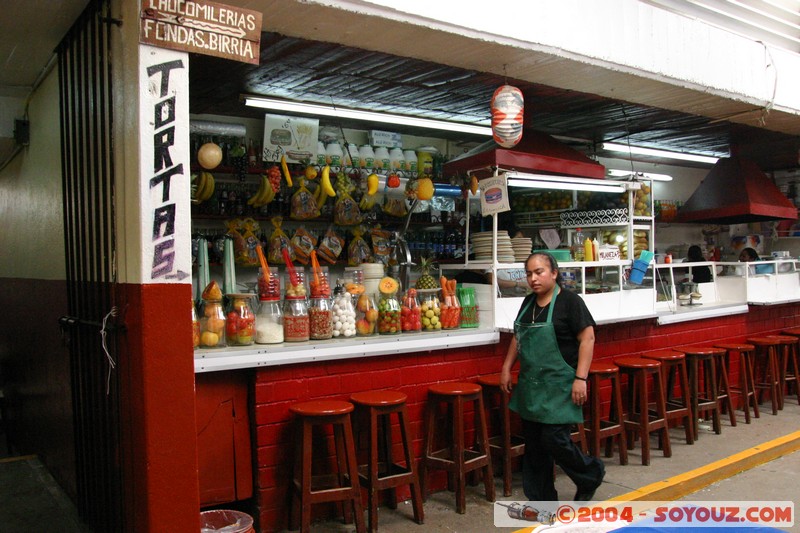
570	317
701	274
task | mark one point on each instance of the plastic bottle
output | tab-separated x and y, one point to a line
595	249
577	246
588	250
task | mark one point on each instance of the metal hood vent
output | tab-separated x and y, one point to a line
536	152
736	191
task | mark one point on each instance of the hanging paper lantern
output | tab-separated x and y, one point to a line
507	115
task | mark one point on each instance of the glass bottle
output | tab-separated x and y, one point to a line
344	313
295	319
389	314
269	289
450	317
410	312
195	328
240	321
269	321
431	312
320	317
212	324
577	246
296	286
366	315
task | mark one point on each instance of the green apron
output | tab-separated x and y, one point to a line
544	389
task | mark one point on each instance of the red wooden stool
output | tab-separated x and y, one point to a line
313	489
600	428
746	388
640	420
723	385
454	458
765	369
674	363
578	436
504	445
381	471
790	363
702	363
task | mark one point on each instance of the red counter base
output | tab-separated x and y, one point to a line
278	387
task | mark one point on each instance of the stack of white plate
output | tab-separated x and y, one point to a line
522	247
373	272
481	246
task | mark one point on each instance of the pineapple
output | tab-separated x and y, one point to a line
426	281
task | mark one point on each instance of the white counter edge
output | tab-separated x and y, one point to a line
263	355
699	314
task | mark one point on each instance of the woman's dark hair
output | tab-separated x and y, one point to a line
751	254
553	264
694	253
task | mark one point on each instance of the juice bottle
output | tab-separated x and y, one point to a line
588	250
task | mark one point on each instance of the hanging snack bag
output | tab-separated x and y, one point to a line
303	243
381	245
395	207
346	211
249	229
304	204
331	246
358	251
277	242
239	245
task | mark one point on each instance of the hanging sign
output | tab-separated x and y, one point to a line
508	113
294	137
202	27
494	195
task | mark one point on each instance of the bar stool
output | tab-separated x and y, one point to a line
790	359
504	445
723	385
674	363
765	369
703	359
600	428
640	420
746	389
454	458
381	471
313	489
578	436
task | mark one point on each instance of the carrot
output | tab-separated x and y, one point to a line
443	283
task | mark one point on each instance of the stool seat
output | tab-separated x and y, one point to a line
455	389
603	367
736	346
764	341
637	362
493	380
321	408
784	338
700	350
378	398
664	355
792	331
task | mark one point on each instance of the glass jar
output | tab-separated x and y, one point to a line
195	328
296	288
240	321
344	314
212	324
430	310
319	285
269	322
389	314
366	315
295	319
450	317
410	312
269	289
320	319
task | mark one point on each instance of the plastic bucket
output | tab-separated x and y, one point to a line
637	271
225	521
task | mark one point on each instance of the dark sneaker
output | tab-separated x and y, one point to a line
586	494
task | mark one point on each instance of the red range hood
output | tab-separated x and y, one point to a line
537	152
736	191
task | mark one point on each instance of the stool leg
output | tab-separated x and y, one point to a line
373	460
710	378
352	468
616	403
688	420
342	468
482	440
458	456
644	419
751	387
693	392
724	386
385	454
743	386
505	432
594	414
430	415
661	412
416	492
793	360
772	365
305	484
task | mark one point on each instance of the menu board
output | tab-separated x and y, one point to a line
293	136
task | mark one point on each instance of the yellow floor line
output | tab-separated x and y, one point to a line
676	487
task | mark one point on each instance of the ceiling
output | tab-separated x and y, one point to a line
294	67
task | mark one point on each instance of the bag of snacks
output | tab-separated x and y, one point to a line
381	245
249	228
331	246
358	250
346	211
304	205
239	245
395	207
303	243
277	242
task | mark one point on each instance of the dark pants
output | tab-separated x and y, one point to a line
546	444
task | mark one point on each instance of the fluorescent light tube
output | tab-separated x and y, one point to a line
544	181
625	149
619	173
357	114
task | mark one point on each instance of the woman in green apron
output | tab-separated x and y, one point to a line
553	341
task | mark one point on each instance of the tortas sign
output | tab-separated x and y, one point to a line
201	27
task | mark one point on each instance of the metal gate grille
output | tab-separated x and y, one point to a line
88	187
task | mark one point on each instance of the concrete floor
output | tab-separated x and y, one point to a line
31	501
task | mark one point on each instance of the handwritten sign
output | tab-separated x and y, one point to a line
494	195
202	27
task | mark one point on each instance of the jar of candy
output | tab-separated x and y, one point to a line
212	324
344	313
240	321
410	312
295	319
366	315
269	321
320	318
296	285
430	312
269	287
195	328
450	317
389	314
